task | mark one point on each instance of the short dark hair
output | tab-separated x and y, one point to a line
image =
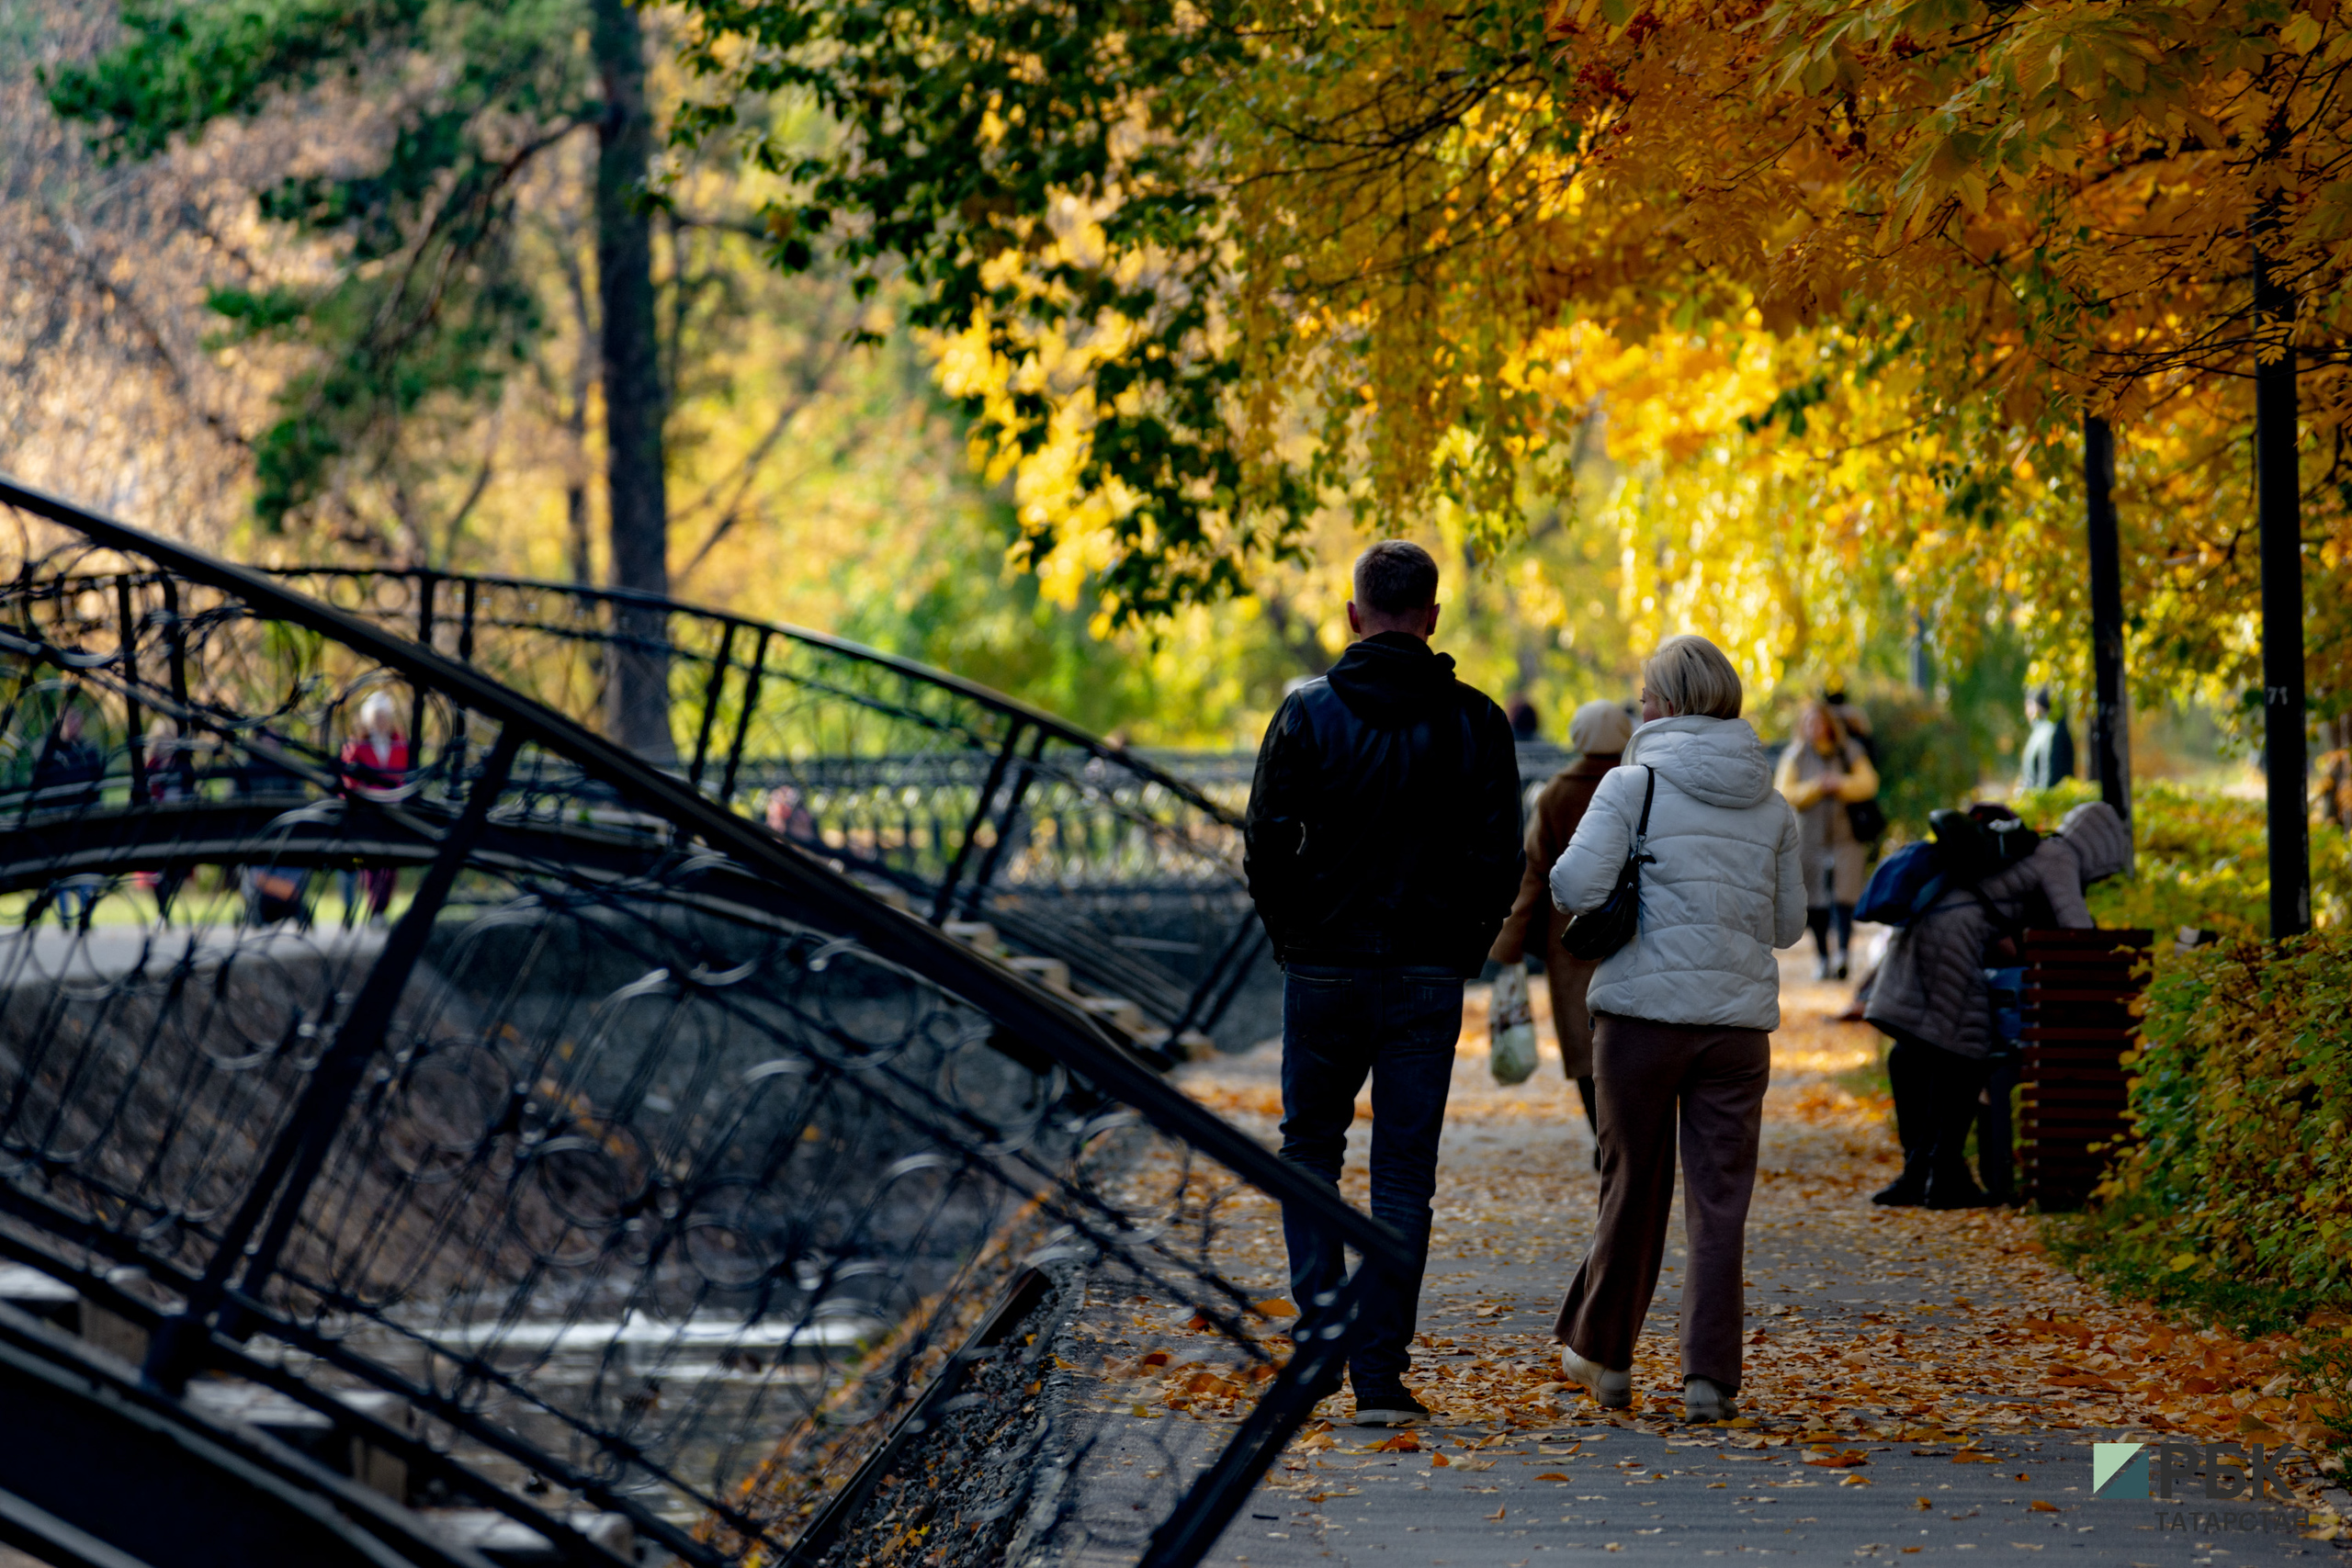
1395	577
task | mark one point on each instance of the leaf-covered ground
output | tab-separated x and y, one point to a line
1916	1383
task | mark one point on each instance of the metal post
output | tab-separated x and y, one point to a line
424	581
1922	670
301	1151
1013	797
711	695
1210	983
2111	719
941	905
2279	500
133	741
175	673
743	720
466	623
1190	1532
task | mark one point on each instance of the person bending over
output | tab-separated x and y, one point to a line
1932	1000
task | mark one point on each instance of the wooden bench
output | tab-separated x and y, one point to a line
2079	987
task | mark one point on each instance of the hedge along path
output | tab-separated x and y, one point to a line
1864	1325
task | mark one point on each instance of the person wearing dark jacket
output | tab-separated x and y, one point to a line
1933	1002
1383	853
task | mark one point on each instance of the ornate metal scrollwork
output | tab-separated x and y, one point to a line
380	1039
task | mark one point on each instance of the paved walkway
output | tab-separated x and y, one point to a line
1919	1385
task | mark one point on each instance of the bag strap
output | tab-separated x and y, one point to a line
1649	791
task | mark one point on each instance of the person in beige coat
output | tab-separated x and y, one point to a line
1823	770
1599	732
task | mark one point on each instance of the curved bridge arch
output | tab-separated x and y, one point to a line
641	1182
974	807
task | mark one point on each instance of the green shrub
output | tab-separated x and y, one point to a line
2241	1107
1924	760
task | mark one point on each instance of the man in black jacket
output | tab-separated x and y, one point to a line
1384	854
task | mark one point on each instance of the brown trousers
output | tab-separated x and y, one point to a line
1651	1078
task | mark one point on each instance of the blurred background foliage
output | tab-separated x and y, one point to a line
825	465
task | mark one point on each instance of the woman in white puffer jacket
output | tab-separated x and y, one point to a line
1682	1019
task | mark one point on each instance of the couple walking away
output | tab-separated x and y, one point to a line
1384	855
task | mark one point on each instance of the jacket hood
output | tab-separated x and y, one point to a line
1717	760
2099	838
1392	680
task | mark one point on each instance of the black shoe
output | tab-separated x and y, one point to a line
1905	1191
1389	1406
1842	966
1955	1191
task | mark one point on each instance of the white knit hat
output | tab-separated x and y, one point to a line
1600	728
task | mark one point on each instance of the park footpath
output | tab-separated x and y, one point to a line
1919	1386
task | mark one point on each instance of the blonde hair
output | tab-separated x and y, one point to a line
378	706
1691	675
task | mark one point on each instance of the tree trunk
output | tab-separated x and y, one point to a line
636	500
2279	515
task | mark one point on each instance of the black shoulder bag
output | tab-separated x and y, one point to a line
1602	931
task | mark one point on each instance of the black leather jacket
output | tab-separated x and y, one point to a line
1383	819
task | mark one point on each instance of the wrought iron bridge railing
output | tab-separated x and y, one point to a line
494	1150
1110	874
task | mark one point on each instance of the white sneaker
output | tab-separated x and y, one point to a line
1614	1390
1702	1400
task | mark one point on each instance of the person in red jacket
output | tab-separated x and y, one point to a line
375	763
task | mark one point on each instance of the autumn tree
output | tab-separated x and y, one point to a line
418	310
1410	250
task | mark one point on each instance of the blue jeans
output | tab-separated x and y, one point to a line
1398	1025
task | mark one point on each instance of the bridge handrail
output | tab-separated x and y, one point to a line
1047	1021
1035	717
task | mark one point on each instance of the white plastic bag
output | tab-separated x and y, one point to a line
1510	1027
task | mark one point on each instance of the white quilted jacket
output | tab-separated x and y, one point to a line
1727	889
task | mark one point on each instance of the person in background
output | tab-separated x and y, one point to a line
70	765
1381	848
788	817
1525	725
69	772
374	761
1855	717
1682	1016
1823	770
1599	732
1932	999
2049	744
